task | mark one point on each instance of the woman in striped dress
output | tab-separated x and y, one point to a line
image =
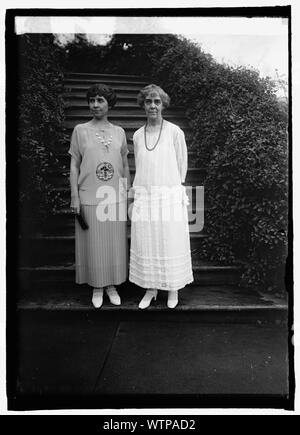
160	256
99	178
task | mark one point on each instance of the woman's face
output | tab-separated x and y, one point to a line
98	106
153	105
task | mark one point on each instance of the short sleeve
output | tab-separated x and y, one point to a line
124	148
74	147
181	153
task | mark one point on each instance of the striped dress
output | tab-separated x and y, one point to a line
101	257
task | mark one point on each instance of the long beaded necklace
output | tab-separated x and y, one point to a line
105	142
151	149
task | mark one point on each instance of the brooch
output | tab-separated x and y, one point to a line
105	171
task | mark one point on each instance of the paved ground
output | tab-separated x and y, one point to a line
102	360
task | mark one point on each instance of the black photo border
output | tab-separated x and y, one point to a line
12	181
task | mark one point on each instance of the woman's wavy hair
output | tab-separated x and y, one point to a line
103	91
147	90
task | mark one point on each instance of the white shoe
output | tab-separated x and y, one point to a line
172	299
146	301
113	295
97	298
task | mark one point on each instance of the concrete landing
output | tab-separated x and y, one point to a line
191	298
80	359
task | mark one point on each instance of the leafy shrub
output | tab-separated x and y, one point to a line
40	130
84	56
123	54
240	134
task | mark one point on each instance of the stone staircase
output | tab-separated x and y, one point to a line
47	259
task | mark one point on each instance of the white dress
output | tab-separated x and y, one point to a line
160	254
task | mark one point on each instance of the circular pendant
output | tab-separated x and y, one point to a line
105	171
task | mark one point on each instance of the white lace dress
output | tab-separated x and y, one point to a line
160	255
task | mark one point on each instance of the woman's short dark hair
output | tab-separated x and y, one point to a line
147	90
103	91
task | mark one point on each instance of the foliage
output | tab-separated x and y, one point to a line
240	133
84	56
123	54
40	130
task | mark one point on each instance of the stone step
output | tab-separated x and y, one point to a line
80	102
133	112
64	157
82	86
125	121
51	249
107	78
129	136
59	177
64	192
63	276
226	304
76	96
62	223
130	130
123	105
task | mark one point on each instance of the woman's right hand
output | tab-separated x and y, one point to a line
130	202
75	204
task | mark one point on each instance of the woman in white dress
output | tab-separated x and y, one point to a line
160	255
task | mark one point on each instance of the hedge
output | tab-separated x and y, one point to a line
40	129
240	134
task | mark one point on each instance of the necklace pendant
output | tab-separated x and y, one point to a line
104	141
